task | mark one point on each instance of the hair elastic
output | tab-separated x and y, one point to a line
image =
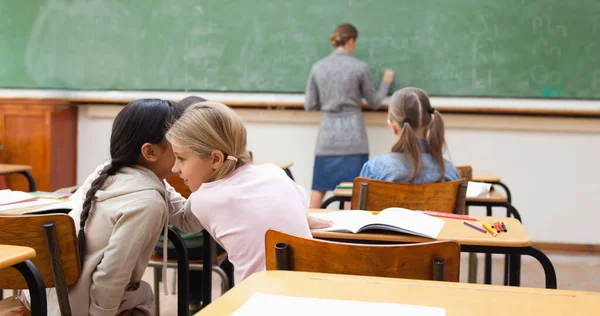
432	110
232	158
405	120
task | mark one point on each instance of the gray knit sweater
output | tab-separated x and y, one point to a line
336	86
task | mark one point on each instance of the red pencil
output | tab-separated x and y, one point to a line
450	215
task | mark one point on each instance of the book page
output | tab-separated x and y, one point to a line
345	221
8	197
475	189
413	222
271	304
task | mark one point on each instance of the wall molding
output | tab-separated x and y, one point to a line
446	104
379	118
568	248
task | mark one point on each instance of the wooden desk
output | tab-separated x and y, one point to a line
22	211
6	169
19	258
484	176
454	229
457	298
11	255
514	243
493	179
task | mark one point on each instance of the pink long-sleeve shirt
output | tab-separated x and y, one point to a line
239	209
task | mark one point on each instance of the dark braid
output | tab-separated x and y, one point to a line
141	121
108	171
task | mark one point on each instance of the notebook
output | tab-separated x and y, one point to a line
394	219
272	304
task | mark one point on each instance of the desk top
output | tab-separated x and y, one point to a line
11	255
493	196
483	176
454	229
20	211
10	169
456	298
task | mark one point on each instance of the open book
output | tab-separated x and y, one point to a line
35	201
393	219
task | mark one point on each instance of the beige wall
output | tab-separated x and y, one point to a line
548	163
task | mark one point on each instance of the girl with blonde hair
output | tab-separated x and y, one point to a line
234	200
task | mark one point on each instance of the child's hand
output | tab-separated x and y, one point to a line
388	76
314	223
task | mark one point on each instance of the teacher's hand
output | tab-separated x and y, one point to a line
388	76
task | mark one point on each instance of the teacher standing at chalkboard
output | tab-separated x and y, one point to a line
336	86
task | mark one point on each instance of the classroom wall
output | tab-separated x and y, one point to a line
550	168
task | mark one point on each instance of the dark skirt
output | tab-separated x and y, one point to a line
329	171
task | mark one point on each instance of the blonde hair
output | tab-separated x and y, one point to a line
410	108
342	34
208	126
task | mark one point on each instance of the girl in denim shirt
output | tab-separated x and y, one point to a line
417	155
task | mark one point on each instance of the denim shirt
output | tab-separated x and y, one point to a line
397	167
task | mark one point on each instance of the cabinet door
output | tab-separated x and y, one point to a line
25	135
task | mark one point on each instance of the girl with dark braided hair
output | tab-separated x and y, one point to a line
125	206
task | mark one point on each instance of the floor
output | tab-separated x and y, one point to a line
574	272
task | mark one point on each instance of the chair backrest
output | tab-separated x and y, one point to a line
410	261
35	231
377	195
465	172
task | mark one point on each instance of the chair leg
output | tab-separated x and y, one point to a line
224	279
157	291
473	267
174	282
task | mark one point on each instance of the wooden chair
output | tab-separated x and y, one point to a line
54	240
438	260
377	195
466	172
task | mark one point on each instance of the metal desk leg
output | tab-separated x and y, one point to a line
183	273
508	195
36	286
511	210
207	256
30	180
549	271
332	199
512	270
487	271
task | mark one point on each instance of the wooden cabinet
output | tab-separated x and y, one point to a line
41	133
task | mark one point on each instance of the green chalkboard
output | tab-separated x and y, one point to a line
507	48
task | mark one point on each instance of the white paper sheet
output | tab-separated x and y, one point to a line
270	304
7	196
475	189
